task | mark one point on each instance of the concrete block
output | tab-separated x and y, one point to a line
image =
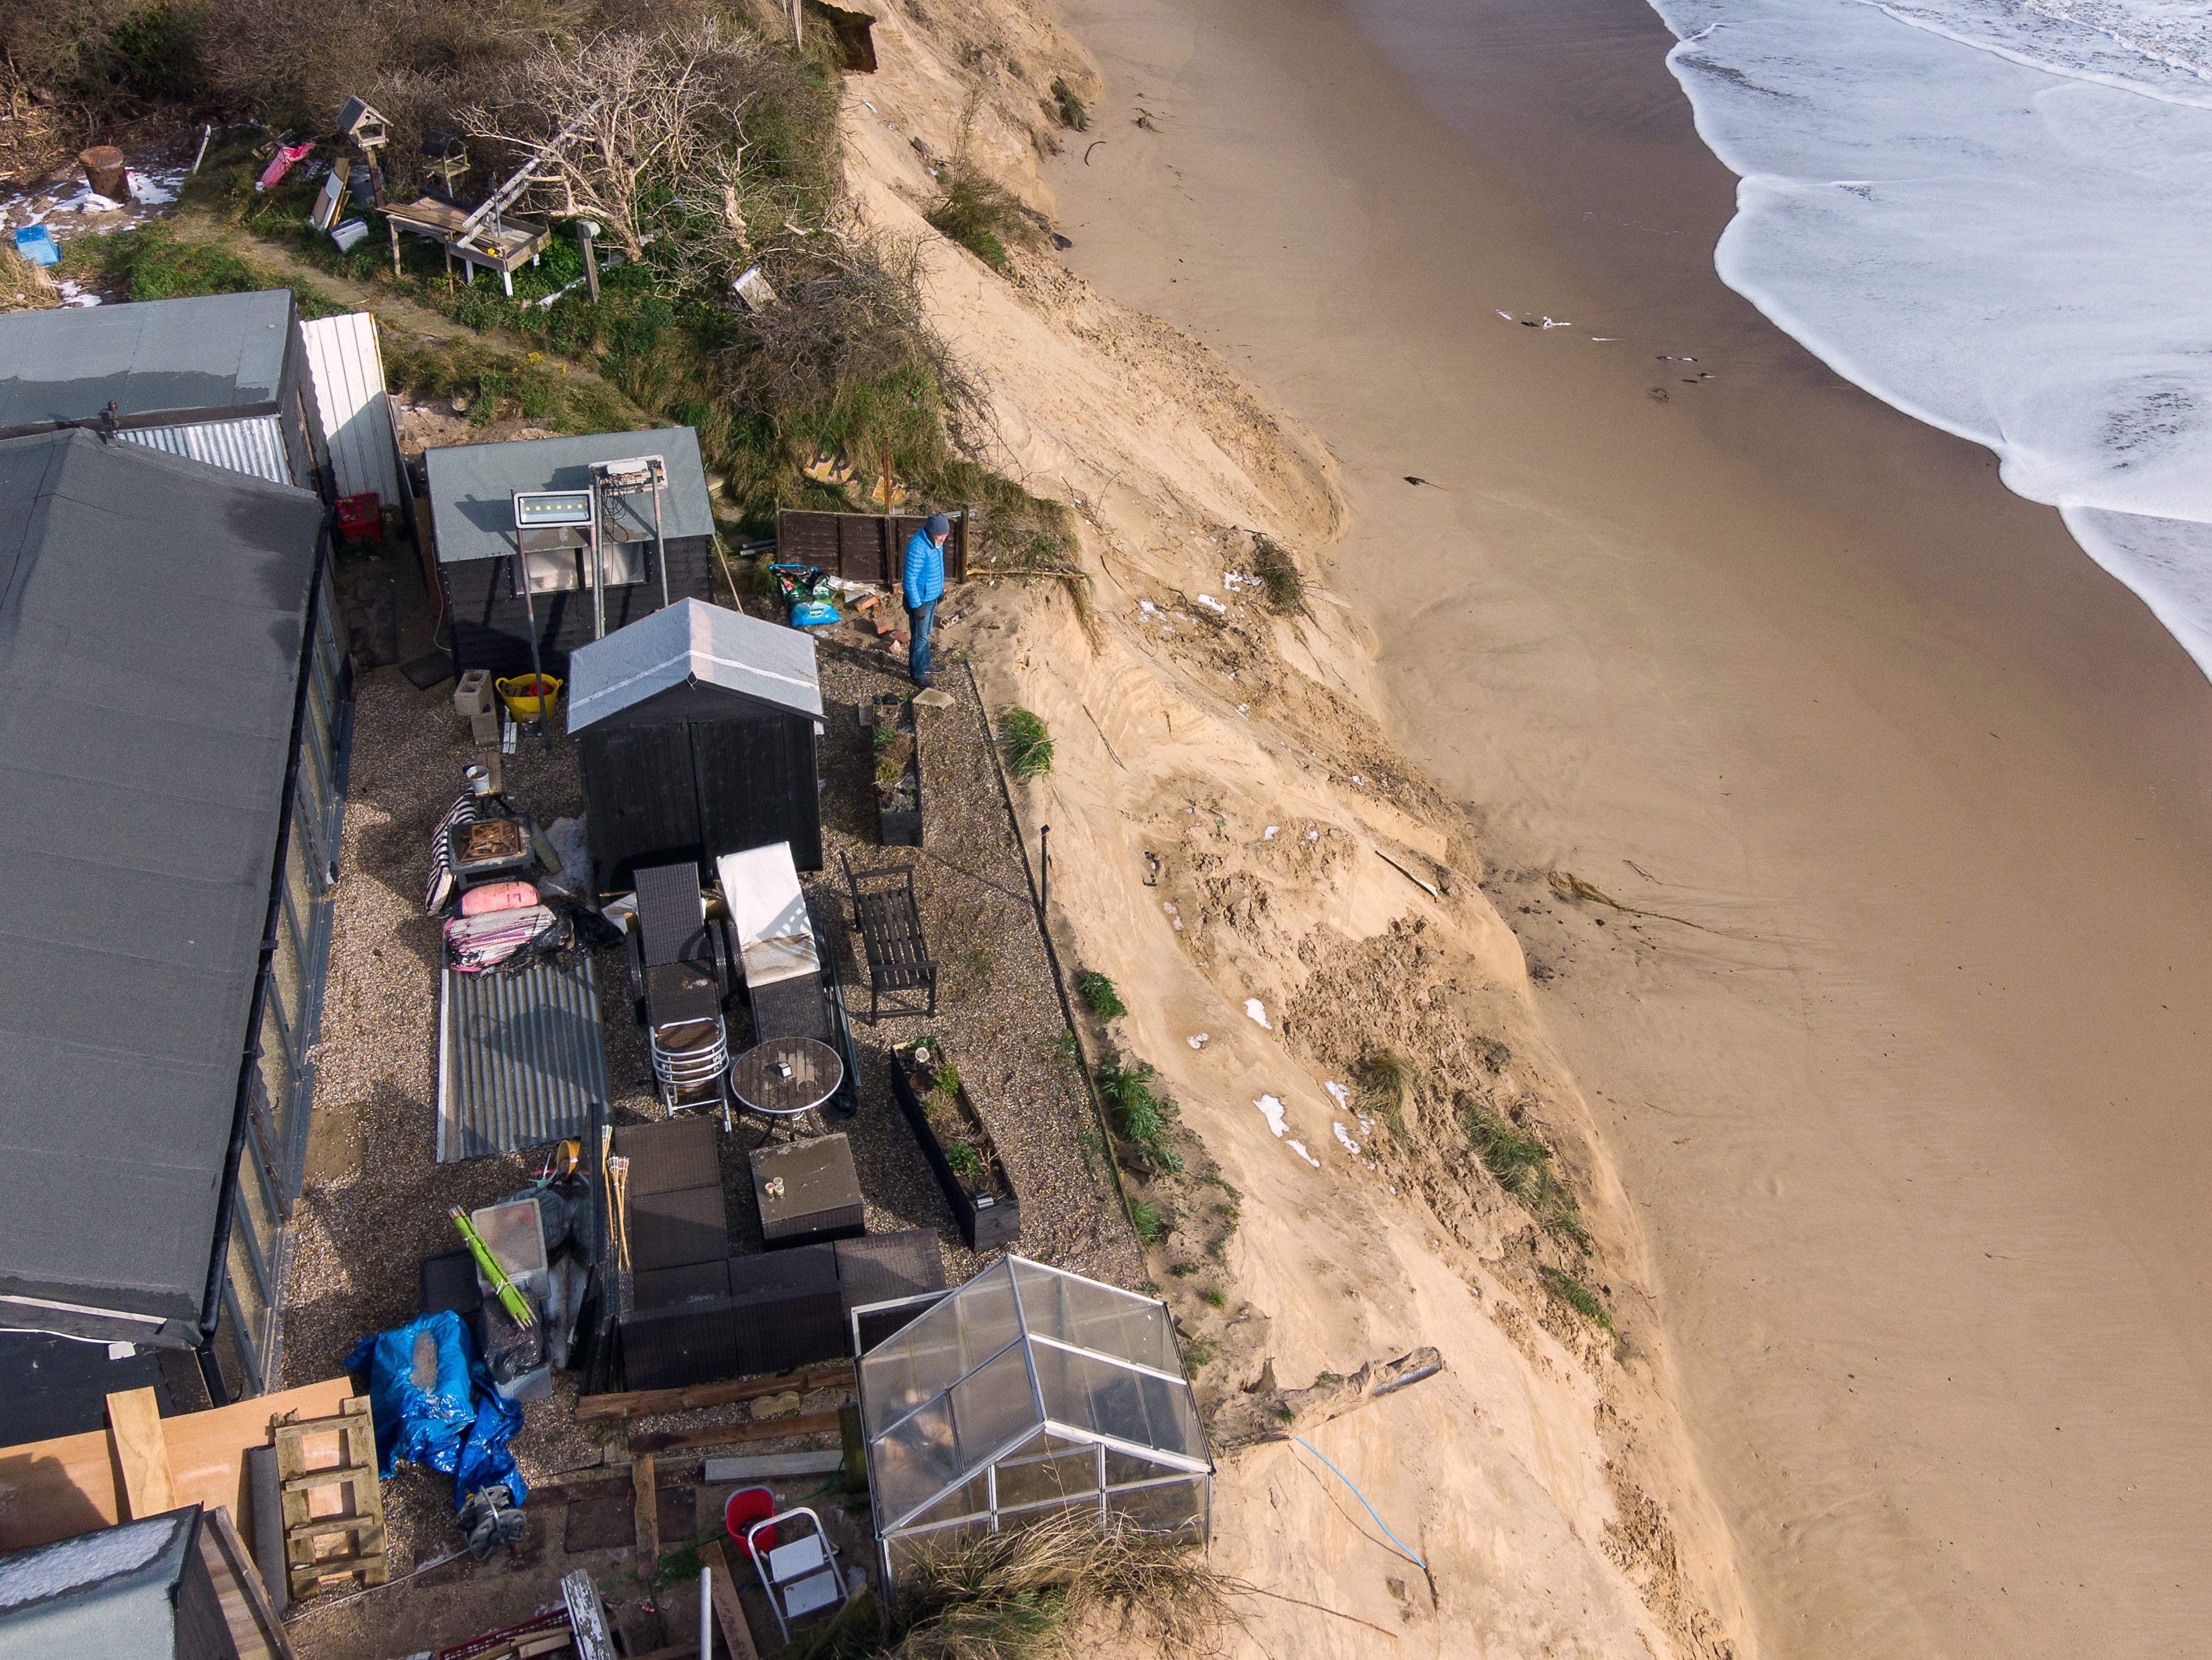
473	694
484	728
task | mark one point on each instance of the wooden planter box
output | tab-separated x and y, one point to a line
898	800
988	1210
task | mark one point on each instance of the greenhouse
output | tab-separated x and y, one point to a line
1026	1392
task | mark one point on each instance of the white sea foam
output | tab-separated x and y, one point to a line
1994	215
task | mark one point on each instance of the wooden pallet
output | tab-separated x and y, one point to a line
333	1507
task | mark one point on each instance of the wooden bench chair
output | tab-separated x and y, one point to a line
890	935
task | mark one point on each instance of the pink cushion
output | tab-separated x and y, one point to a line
497	896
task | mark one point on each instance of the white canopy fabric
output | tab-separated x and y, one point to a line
768	910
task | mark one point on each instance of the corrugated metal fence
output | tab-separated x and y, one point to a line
254	445
521	1058
348	370
862	547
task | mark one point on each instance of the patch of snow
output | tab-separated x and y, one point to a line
1258	1011
1300	1148
1208	600
1271	1110
1350	1145
1199	1040
1340	1095
1268	834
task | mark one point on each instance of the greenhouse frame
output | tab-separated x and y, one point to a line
1027	1392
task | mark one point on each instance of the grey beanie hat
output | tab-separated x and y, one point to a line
938	525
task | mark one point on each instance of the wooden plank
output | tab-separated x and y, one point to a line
643	1403
737	1635
141	1453
761	1466
259	1634
647	1510
768	1429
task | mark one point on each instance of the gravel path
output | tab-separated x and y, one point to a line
375	1199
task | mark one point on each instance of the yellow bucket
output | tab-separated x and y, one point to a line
527	695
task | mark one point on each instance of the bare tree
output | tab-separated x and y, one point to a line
656	133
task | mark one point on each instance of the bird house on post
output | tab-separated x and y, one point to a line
364	126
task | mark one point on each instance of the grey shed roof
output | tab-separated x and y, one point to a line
692	642
217	353
152	611
472	488
108	1593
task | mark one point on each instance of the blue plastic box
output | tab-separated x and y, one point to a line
36	244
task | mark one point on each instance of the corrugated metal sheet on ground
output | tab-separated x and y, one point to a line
253	446
520	1058
348	375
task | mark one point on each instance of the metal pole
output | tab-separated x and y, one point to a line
585	230
660	550
598	588
706	1613
530	610
1044	875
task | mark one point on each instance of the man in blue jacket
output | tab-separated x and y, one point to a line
922	584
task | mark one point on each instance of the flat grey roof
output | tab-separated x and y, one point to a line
152	611
183	357
472	488
693	642
110	1592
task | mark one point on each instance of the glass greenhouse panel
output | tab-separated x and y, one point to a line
1096	1397
1036	1481
1089	1315
1168	1509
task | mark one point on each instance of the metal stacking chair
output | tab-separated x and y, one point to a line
890	935
800	1575
680	963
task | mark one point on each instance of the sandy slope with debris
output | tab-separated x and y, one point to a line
1230	823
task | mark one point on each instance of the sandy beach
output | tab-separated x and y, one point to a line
1911	1120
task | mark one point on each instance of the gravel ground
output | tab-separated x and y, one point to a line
375	1200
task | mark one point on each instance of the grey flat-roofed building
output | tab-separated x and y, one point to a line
220	378
473	489
172	731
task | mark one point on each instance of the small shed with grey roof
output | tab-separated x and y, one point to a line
221	378
482	557
139	1591
696	729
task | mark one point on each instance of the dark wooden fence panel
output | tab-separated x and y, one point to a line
863	547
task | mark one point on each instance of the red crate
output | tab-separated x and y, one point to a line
360	517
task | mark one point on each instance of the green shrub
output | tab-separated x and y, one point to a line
1146	1221
1278	574
979	214
1579	1298
1141	1114
1099	993
966	1165
1522	1166
1029	746
1069	107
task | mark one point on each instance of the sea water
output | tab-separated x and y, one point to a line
1996	215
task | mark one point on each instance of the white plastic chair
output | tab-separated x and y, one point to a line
800	1574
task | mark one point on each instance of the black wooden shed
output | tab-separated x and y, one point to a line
696	728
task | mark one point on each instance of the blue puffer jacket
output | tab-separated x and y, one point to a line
923	577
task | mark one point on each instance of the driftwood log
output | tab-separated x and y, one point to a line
1264	1412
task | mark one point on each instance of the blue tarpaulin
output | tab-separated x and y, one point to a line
456	1423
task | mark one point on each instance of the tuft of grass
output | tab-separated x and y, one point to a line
1069	107
1024	1593
1212	1298
1522	1164
154	263
1273	564
1385	1080
1142	1114
1099	993
1198	1355
1028	745
979	214
1147	1220
24	286
1183	1270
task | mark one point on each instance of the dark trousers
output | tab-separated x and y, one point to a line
918	621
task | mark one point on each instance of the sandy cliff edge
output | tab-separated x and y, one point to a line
1230	821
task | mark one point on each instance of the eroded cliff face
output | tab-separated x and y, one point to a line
1284	903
